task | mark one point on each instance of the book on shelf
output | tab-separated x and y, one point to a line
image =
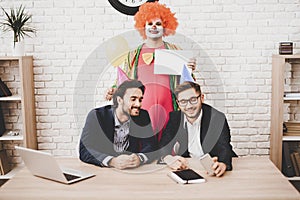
4	163
287	166
291	128
2	123
291	133
292	123
295	163
297	157
1	169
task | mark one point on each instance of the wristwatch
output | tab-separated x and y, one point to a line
128	7
142	159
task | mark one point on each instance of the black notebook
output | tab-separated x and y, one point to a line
186	176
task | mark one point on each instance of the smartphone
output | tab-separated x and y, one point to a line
207	163
186	176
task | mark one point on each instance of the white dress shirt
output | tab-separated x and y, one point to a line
194	144
121	140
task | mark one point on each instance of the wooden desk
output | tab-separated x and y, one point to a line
252	178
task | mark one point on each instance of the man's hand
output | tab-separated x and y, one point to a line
125	161
176	162
218	167
109	93
192	63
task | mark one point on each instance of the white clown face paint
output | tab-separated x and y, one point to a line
154	29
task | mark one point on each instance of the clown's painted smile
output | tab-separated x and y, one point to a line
154	28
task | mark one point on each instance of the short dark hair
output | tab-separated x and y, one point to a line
187	85
124	86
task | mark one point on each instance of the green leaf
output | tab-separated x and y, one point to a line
18	22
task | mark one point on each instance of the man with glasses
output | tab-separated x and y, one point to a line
195	130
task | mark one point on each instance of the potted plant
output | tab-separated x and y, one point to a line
17	21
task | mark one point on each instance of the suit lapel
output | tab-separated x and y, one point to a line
211	127
206	114
183	137
107	122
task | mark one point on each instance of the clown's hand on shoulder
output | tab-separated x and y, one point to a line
109	93
192	63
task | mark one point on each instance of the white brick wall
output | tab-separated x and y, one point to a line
236	40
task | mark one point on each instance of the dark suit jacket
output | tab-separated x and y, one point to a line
214	135
96	142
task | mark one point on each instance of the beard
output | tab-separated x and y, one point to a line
132	111
192	113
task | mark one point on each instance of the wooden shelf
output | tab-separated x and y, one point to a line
26	85
290	138
277	105
295	178
5	136
5	58
11	98
10	174
294	56
291	98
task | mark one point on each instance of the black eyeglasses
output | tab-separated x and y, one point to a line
192	100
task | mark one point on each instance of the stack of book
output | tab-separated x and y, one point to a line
295	158
286	48
4	163
293	128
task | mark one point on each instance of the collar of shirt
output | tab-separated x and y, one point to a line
194	144
121	141
118	124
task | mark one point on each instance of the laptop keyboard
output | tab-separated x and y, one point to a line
70	177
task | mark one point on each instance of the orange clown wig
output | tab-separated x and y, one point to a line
153	10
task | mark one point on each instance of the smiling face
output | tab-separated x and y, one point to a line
190	103
154	29
131	103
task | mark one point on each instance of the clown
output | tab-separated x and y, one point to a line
154	21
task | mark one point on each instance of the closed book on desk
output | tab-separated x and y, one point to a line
4	163
186	176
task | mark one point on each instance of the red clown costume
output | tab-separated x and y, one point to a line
153	21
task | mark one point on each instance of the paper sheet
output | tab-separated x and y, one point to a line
171	61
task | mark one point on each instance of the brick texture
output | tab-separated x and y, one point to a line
233	42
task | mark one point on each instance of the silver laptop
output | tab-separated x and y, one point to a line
44	165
